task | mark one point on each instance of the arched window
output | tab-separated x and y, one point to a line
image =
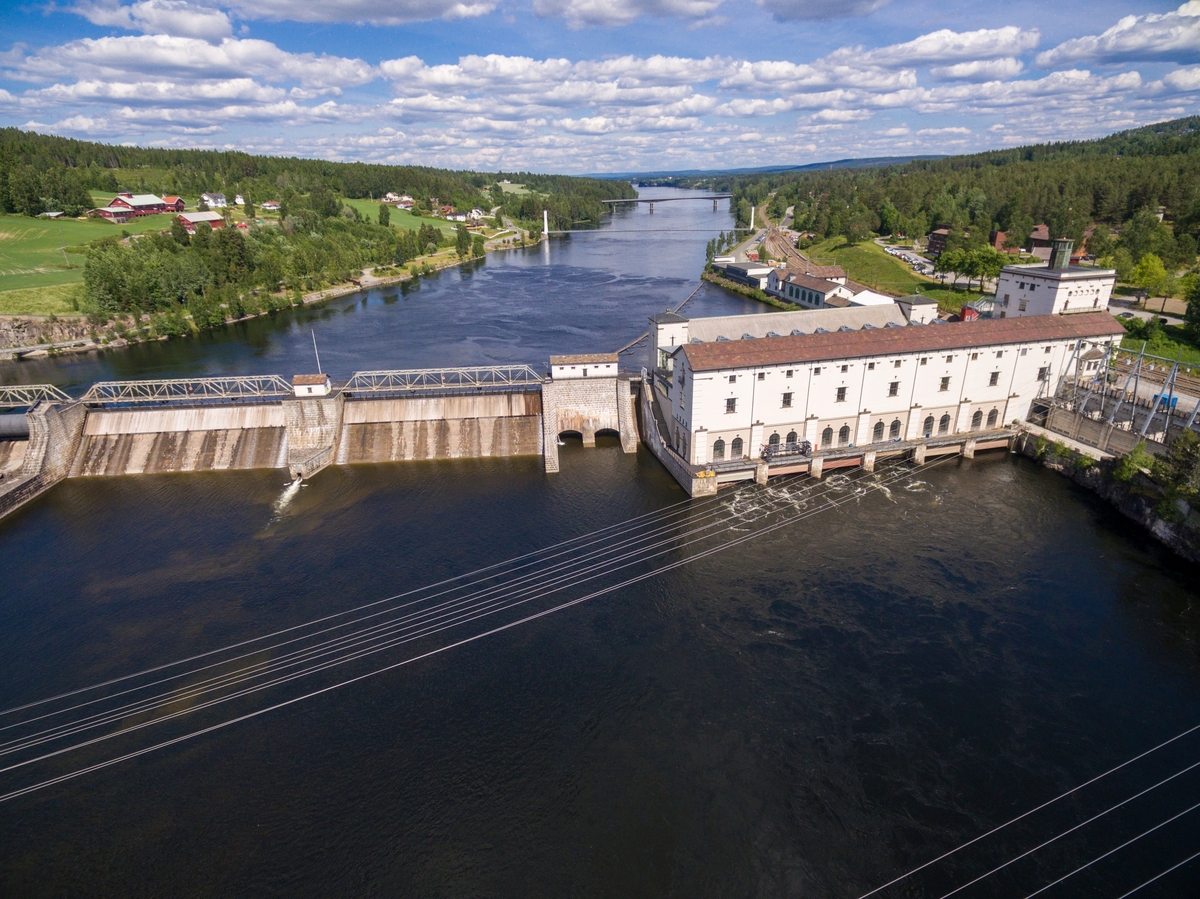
792	438
844	435
827	437
718	450
773	440
736	448
894	430
928	429
992	416
944	425
878	432
977	420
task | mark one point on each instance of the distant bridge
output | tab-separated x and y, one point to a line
18	395
713	197
442	379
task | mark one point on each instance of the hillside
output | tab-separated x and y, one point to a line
1119	182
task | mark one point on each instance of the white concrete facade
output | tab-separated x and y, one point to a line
1041	290
733	412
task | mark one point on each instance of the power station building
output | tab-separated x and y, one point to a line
1057	288
729	399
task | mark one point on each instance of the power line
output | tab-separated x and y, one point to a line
236	677
1071	830
1130	842
1023	815
532	617
1190	858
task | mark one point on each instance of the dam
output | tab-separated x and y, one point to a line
228	424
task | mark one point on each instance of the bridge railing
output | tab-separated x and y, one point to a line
18	395
188	390
432	379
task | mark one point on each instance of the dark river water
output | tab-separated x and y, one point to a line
809	713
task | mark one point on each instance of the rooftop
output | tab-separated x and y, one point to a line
760	324
583	359
668	318
810	282
1071	271
308	380
893	341
917	300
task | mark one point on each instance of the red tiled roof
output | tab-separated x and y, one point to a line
892	341
307	380
807	267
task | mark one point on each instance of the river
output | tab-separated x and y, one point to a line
808	714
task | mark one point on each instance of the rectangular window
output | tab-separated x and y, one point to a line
1024	350
896	364
1043	373
945	384
924	360
817	370
731	404
733	379
762	375
870	366
787	400
999	354
994	379
1048	349
790	372
894	388
974	356
841	394
1023	305
845	368
949	358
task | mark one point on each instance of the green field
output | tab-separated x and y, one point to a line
61	299
32	254
868	264
399	218
518	189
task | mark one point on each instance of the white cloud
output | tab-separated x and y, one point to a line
1172	37
944	131
820	9
580	13
164	55
944	46
1183	79
375	12
174	17
979	70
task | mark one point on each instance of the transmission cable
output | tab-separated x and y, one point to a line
464	641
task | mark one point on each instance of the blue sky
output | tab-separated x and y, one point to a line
595	85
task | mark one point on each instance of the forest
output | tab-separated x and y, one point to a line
41	172
1121	183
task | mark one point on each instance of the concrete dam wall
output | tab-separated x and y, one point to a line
442	427
147	441
92	438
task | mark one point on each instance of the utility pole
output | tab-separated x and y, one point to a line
546	222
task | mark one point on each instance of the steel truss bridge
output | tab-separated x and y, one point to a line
20	395
429	380
188	390
713	197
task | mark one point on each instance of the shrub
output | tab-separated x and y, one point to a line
1136	460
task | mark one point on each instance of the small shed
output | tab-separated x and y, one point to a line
311	385
588	365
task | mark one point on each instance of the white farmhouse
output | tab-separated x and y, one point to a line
1053	289
732	399
214	201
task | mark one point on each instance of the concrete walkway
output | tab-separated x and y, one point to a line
1081	448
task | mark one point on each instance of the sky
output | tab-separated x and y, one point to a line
586	86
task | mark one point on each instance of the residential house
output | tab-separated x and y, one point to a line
269	206
173	204
214	201
936	242
802	289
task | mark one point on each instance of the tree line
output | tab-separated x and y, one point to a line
1119	182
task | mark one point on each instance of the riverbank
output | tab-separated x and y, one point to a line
48	335
1138	499
750	293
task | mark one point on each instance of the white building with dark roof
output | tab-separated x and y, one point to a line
1056	288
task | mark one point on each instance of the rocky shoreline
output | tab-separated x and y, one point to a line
1137	500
